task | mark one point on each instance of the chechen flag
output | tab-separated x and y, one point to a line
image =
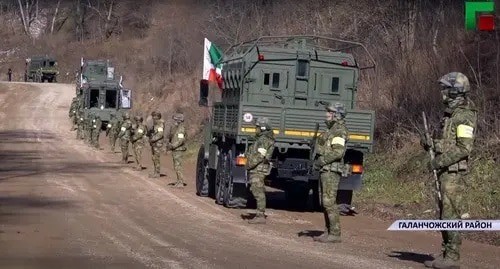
212	56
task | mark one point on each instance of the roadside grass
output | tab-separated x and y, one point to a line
398	186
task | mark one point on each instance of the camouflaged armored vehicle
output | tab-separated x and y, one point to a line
288	80
102	92
41	69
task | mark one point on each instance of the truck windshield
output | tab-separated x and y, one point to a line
94	98
111	98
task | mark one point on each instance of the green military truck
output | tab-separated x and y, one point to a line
288	80
41	69
102	93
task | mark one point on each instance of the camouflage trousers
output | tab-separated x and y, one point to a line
95	138
73	122
452	188
258	190
329	185
177	160
137	147
112	140
156	151
79	132
124	146
88	135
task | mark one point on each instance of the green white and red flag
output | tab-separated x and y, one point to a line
212	68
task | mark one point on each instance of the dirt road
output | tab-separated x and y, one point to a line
64	205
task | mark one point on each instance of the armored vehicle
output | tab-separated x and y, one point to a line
102	93
41	69
289	80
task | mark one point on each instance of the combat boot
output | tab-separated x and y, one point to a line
138	168
327	238
442	263
178	185
259	218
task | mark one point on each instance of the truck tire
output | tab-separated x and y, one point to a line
220	179
230	199
297	194
203	174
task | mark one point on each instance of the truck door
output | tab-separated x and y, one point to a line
333	84
302	83
125	98
272	83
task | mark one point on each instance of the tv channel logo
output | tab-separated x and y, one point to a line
480	15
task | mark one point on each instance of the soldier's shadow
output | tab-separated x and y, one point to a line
309	233
410	256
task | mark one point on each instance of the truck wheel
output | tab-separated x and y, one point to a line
297	194
220	180
202	174
230	199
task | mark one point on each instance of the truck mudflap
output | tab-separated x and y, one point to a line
352	182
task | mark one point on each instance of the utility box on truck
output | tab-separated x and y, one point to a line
288	80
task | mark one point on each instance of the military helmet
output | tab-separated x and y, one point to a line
138	118
263	122
126	116
178	117
156	114
455	83
337	107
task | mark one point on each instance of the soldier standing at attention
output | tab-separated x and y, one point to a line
138	141
258	166
331	150
451	163
9	74
176	145
156	141
96	131
112	131
124	136
72	112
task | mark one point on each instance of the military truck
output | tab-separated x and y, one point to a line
288	79
41	69
102	93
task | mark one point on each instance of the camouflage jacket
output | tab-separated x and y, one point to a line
96	124
139	133
73	108
332	146
113	126
457	138
177	137
125	129
81	119
158	133
260	152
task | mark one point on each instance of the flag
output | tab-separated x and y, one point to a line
212	68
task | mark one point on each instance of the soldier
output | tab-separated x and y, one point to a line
9	74
112	131
88	127
176	145
72	112
331	150
258	166
137	140
80	124
96	131
124	136
451	162
156	142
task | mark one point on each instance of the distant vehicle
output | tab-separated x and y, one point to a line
289	80
102	93
41	69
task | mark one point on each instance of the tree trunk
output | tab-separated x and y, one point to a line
23	18
54	18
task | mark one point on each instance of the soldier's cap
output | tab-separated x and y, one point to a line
178	117
263	121
138	117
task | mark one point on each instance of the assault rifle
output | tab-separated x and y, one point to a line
432	154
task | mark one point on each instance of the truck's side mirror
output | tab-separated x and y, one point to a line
203	93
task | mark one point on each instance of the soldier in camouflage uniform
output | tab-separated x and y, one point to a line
88	127
112	130
72	114
453	148
125	135
156	142
330	153
176	145
258	166
96	131
137	140
80	124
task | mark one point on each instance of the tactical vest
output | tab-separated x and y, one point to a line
325	144
265	142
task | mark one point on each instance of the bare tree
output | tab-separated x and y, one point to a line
29	12
55	17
